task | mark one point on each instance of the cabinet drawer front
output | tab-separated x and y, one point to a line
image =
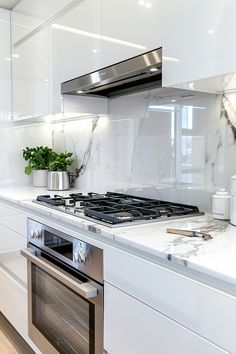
15	264
14	306
14	219
134	328
13	303
10	240
201	308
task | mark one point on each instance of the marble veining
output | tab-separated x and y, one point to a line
228	111
150	145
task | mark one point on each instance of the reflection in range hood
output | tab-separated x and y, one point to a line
134	74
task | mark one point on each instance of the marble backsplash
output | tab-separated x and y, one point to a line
179	148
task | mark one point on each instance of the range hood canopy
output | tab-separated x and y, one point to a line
137	73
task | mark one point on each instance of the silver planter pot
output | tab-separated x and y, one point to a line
58	181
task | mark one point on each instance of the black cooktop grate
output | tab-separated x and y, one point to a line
116	208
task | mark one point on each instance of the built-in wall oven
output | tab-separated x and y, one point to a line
65	292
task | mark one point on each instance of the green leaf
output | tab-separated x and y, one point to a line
28	170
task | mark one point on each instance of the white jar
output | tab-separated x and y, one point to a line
221	205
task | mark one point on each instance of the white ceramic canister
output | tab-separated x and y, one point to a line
233	201
221	205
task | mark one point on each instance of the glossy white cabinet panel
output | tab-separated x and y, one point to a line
15	264
198	39
37	12
199	307
131	327
67	47
76	45
14	305
10	240
14	219
31	84
129	28
5	66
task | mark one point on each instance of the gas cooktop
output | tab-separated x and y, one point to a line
117	209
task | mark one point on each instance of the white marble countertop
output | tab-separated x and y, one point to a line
216	257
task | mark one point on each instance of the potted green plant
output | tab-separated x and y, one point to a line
57	176
38	159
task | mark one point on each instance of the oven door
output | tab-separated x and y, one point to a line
65	311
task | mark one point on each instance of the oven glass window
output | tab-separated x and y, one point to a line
64	318
58	244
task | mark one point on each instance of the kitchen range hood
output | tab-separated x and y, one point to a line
137	73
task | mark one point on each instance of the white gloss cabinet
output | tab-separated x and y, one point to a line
13	269
191	303
67	46
131	327
199	43
31	76
76	45
5	66
129	28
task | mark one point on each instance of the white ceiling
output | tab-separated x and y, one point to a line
8	4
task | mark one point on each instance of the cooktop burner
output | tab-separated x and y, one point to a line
114	209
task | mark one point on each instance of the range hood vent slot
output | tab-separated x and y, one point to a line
131	75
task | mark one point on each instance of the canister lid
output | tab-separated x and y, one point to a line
222	193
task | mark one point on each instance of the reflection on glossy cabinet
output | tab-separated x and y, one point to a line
199	41
129	28
5	66
131	327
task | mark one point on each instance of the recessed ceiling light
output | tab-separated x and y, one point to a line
80	91
210	31
173	100
154	69
95	50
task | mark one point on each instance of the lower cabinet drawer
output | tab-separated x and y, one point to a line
15	264
130	327
10	240
14	305
195	305
13	302
14	219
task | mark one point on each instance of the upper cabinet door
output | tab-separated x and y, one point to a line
199	42
31	77
76	44
5	66
129	28
55	46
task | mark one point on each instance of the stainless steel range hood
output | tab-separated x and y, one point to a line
134	74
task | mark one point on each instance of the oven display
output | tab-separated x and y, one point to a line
58	244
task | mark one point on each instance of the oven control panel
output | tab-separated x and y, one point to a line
66	248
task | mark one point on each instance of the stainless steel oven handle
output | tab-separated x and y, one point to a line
86	290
